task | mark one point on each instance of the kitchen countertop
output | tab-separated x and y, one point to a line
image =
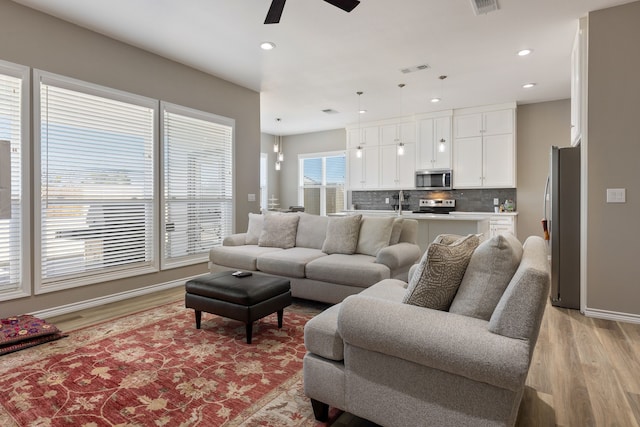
455	216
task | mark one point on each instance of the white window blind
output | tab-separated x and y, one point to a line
198	183
97	183
14	280
322	178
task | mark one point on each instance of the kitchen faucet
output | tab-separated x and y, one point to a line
400	200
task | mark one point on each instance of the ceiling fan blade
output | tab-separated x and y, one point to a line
275	12
346	5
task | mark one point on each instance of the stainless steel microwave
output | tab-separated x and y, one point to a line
433	179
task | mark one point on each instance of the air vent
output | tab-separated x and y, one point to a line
414	68
330	111
481	7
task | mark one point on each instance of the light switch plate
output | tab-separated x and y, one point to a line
616	195
386	200
252	197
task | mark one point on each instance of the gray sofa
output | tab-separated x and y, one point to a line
325	258
403	365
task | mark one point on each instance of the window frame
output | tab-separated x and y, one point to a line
166	263
82	279
24	74
323	186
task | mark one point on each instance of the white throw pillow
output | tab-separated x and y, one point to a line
342	235
254	229
279	231
375	233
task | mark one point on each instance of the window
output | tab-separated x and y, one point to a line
14	182
96	163
322	177
198	183
264	189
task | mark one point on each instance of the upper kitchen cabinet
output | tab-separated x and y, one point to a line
434	145
367	136
364	170
484	148
395	133
397	171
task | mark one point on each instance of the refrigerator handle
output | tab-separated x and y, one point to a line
545	223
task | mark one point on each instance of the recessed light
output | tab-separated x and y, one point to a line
528	85
267	45
362	111
434	100
524	52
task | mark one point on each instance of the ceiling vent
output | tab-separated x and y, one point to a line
330	111
414	68
482	7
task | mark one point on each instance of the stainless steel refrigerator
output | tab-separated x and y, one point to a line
563	195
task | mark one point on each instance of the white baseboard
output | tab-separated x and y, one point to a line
612	315
96	302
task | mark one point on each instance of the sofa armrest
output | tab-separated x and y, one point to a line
398	255
237	239
437	339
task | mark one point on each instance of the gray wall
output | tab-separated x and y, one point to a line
317	142
40	41
539	127
613	145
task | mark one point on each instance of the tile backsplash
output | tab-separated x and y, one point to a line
472	200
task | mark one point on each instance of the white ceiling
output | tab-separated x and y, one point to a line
325	55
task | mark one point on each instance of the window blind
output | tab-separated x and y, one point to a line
97	182
322	182
198	183
11	215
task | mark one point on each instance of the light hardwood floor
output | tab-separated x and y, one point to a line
585	372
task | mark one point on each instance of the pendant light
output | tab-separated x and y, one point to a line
277	146
359	148
400	143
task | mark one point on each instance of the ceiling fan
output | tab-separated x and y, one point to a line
277	6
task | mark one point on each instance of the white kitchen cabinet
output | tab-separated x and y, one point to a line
434	143
578	82
502	224
367	136
397	171
364	171
484	149
396	132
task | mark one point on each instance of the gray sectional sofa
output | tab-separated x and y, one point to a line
325	258
398	364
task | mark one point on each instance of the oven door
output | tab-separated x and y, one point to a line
433	179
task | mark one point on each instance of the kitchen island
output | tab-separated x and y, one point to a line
431	225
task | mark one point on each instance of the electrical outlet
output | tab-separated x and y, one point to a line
386	200
496	201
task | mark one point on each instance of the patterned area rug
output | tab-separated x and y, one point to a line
155	369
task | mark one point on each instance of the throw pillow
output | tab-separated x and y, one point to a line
254	229
342	235
490	270
447	239
374	234
438	276
279	231
312	230
396	231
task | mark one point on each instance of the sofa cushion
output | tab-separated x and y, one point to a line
279	231
321	335
342	235
240	257
312	230
489	271
440	272
387	289
288	262
352	270
254	229
375	233
396	230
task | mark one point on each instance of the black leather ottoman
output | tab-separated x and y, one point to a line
246	299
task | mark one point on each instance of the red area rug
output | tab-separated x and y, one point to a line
155	369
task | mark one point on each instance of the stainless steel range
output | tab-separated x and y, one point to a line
436	206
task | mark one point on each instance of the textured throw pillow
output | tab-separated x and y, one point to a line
396	231
254	229
447	239
374	234
438	276
490	270
279	231
342	235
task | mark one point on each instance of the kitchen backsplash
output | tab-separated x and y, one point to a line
480	200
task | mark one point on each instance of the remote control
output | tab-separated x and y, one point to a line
242	274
